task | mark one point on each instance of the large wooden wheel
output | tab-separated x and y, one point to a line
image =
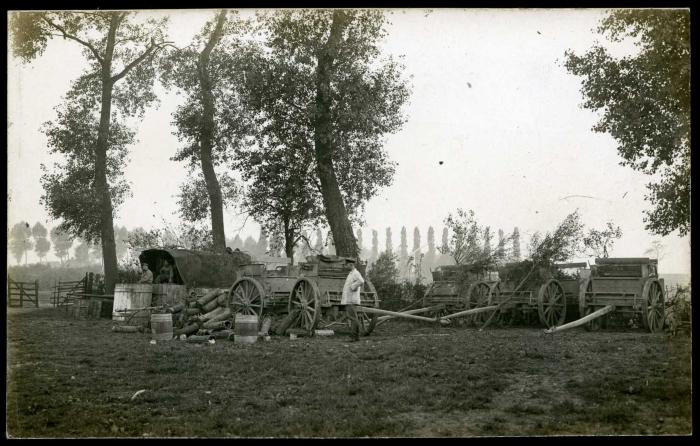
653	306
305	300
584	309
551	303
501	318
479	295
247	297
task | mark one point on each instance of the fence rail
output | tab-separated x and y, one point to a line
19	292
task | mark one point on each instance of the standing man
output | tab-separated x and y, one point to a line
146	274
351	297
166	273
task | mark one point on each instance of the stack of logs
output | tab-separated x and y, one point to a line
203	318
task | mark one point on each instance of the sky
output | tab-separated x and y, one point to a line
494	124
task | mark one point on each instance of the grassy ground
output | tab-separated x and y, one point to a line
71	378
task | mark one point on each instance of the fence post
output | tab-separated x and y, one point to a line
21	294
36	292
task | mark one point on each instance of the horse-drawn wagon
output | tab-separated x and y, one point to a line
308	294
626	290
456	288
550	297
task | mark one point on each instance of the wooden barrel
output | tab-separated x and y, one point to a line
245	330
128	299
161	327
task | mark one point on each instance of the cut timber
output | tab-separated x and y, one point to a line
208	298
217	325
213	313
472	311
209	306
220	316
577	323
394	313
187	329
286	322
417	311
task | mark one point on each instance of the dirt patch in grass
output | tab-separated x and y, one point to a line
72	378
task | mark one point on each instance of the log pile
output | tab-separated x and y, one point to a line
202	318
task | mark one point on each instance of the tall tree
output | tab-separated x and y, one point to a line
20	242
210	122
62	243
487	240
516	244
360	244
389	245
121	241
430	256
644	102
501	243
322	89
41	243
262	241
374	253
318	246
403	254
120	72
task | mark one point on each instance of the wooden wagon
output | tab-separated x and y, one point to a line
308	294
627	289
550	298
456	288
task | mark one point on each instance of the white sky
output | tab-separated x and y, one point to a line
514	144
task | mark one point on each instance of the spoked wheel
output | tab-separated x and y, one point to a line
501	318
551	304
306	301
479	295
246	297
653	306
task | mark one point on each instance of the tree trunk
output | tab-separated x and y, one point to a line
289	241
336	214
109	249
206	141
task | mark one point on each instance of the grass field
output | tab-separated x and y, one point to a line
72	378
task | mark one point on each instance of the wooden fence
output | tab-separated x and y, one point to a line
19	292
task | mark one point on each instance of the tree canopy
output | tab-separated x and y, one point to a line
644	104
320	88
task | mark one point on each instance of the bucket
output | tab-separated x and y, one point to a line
162	327
245	329
130	297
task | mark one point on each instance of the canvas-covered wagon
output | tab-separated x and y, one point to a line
198	271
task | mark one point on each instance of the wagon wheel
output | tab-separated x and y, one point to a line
500	319
247	297
306	299
479	295
653	306
551	303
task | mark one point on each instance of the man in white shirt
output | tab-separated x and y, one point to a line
351	297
